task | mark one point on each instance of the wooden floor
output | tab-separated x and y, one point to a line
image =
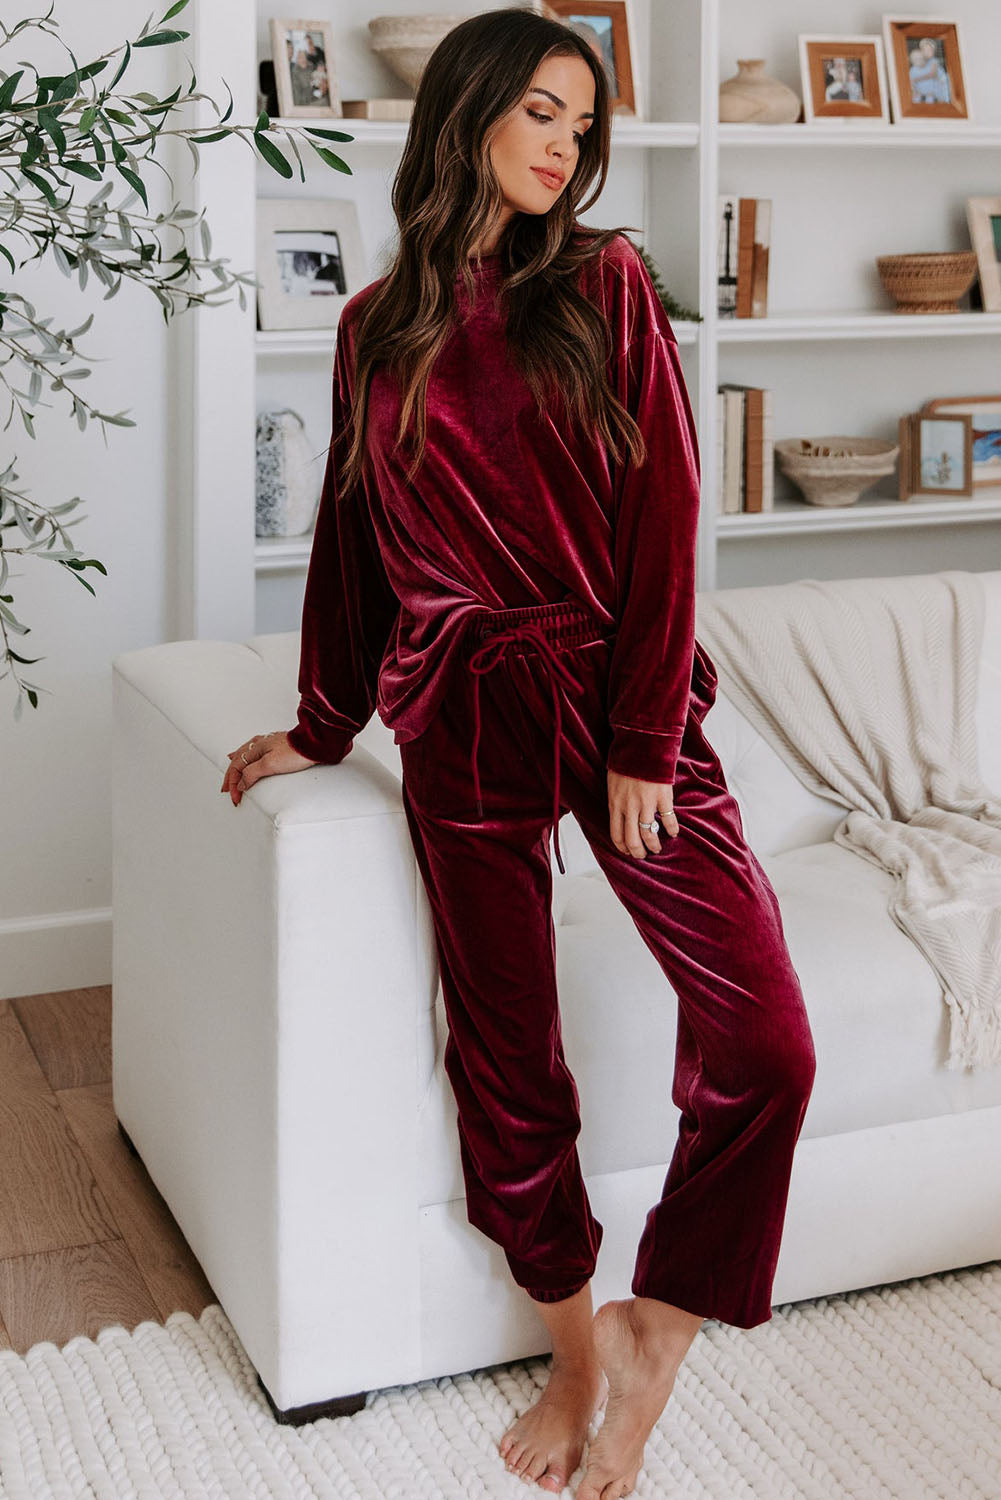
85	1238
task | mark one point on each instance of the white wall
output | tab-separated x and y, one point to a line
55	878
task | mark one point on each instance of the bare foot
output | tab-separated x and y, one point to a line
640	1356
546	1443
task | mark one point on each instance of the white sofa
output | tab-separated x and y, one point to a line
278	1035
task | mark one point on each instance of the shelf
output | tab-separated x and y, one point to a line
857	325
316	341
957	134
282	554
296	341
625	131
877	513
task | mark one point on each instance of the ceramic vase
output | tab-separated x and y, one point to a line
751	97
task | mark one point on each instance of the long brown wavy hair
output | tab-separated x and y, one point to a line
446	195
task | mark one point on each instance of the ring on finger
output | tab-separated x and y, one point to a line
651	826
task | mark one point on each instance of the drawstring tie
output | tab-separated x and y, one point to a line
485	657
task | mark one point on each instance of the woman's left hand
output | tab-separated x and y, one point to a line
631	802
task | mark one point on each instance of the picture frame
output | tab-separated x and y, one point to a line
983	215
309	261
608	26
936	454
305	76
985	414
843	78
926	69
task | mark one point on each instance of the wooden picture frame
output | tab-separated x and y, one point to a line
305	281
933	91
608	26
843	78
305	76
940	454
985	414
983	215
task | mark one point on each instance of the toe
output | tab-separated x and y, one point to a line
535	1466
553	1481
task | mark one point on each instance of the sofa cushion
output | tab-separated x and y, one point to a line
879	1022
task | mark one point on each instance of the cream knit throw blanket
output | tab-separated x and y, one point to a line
867	689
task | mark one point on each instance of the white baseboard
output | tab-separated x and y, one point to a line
62	950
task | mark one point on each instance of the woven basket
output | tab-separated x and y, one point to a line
928	283
836	481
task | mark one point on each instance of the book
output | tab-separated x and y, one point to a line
757	453
759	267
746	215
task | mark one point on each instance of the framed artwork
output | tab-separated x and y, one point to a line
983	215
305	78
843	78
985	414
936	454
309	261
607	26
927	76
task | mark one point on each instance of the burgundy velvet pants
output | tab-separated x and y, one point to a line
744	1062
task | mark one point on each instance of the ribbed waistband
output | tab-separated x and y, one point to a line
565	623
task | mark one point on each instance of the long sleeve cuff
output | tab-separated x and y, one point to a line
318	741
647	754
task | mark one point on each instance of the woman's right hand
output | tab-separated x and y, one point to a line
264	755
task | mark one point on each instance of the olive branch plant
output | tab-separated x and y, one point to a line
57	132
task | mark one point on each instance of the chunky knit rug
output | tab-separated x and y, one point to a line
892	1393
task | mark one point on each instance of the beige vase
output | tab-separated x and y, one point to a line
751	97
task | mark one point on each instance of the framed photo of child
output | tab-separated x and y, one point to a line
303	56
843	78
607	26
936	456
927	75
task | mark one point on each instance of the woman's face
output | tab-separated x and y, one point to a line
543	131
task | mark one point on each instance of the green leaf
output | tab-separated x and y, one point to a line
52	128
229	107
26	661
135	181
263	121
328	135
68	86
86	120
173	11
116	421
45	187
216	135
5	252
84	168
272	155
332	160
9	87
121	69
119	116
162	38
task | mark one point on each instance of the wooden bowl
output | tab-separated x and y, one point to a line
406	42
928	283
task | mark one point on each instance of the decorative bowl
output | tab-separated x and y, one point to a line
850	467
406	42
928	283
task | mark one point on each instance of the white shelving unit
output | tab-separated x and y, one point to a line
836	355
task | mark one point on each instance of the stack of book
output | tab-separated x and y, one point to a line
745	455
745	234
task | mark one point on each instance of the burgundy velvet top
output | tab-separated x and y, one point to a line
509	508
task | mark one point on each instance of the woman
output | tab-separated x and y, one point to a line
503	565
